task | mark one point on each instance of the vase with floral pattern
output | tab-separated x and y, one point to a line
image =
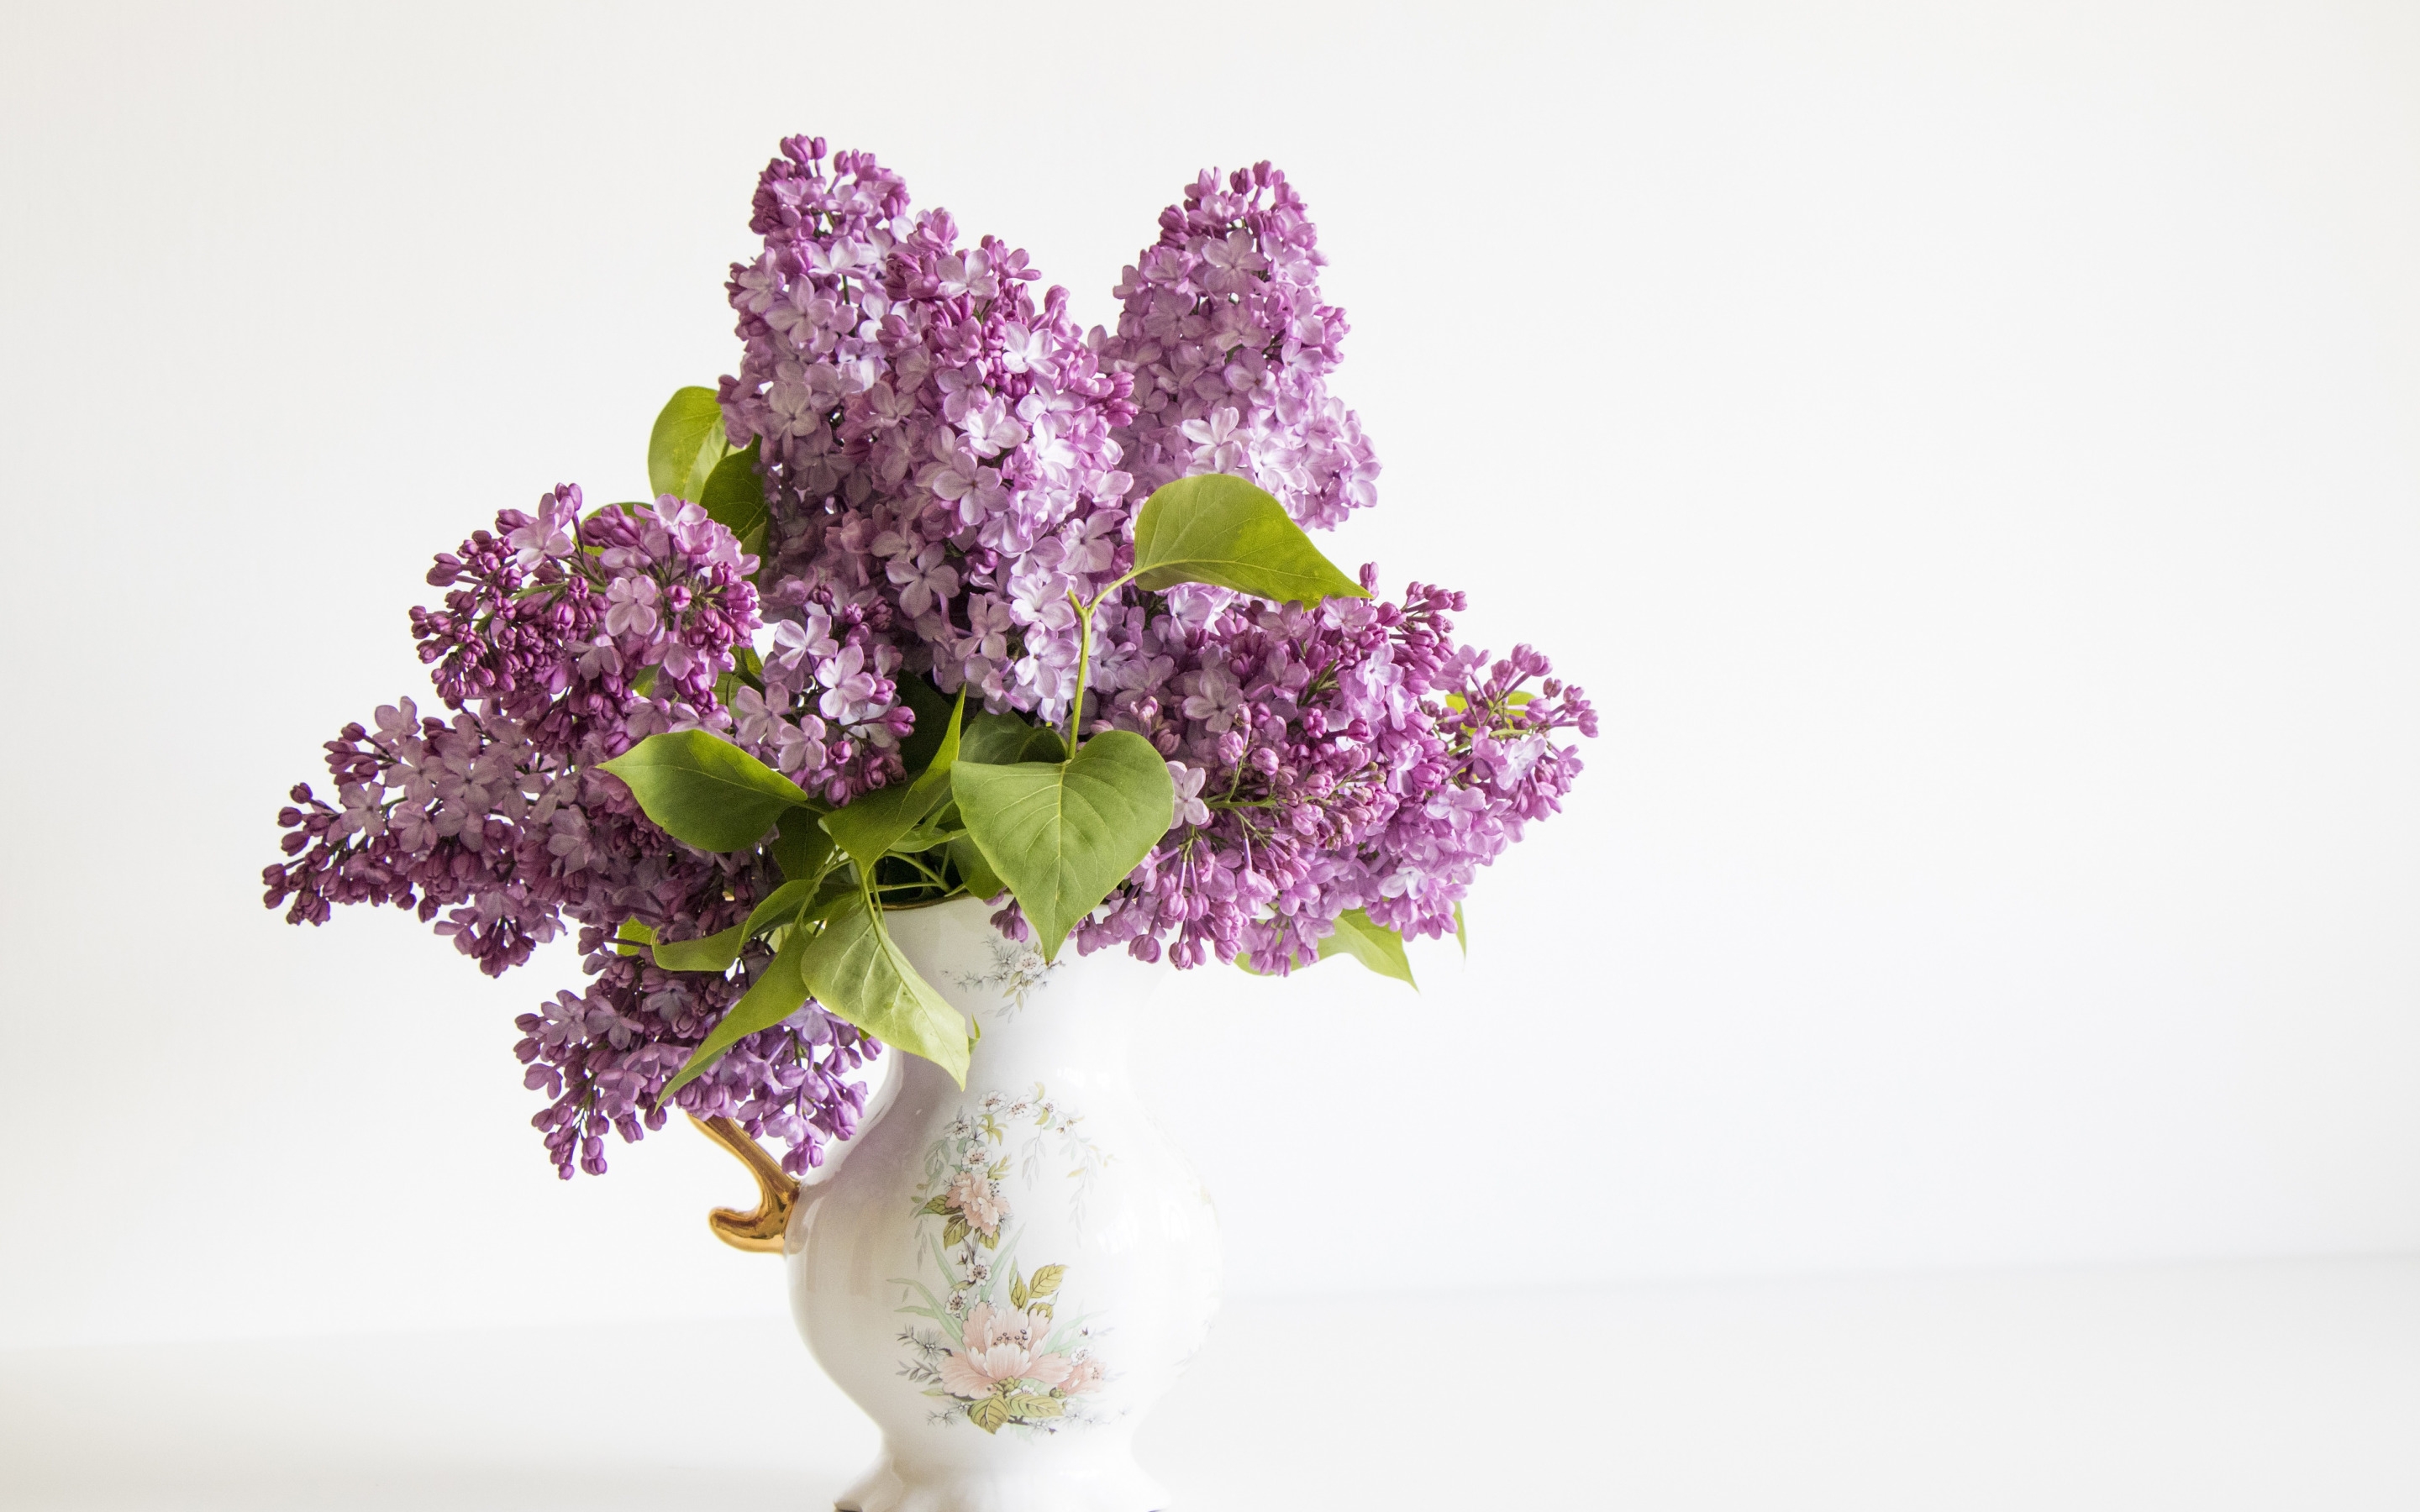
1005	1276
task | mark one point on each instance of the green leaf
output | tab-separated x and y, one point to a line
855	971
1063	834
1513	701
870	826
1004	740
937	1207
778	991
1461	936
784	979
715	952
686	444
1371	943
734	497
1221	530
1024	1405
1018	1295
705	790
934	833
932	708
990	1414
976	872
802	848
708	952
632	937
1045	1281
955	1231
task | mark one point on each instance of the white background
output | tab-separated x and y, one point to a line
1969	452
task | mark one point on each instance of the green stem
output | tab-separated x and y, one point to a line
1083	669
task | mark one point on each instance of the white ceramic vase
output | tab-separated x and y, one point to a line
1006	1276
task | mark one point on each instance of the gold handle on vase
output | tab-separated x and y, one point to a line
777	1190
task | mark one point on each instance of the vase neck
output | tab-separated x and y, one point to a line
1038	1020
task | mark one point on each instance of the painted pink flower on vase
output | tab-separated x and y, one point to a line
973	1196
999	1347
1083	1375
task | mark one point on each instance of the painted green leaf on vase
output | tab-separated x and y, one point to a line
990	1414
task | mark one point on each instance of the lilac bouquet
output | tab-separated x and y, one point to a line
939	595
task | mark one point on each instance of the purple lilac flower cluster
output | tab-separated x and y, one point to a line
562	642
936	443
1348	756
949	464
1229	346
941	449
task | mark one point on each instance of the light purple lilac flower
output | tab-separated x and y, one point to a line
948	462
1230	344
936	444
1350	756
495	827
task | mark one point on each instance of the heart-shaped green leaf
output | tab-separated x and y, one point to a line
1217	529
705	790
855	971
734	497
1371	943
867	828
689	439
1060	835
1004	740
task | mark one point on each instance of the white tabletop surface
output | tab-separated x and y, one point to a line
2279	1384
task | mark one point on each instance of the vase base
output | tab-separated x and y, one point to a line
1106	1484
